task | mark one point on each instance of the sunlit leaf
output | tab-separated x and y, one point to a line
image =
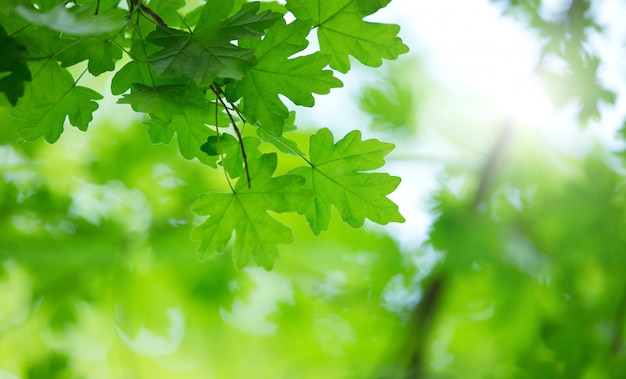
343	32
244	212
51	97
337	176
207	53
297	78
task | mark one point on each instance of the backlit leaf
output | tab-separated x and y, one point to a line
276	73
337	177
207	53
51	97
342	31
244	212
100	51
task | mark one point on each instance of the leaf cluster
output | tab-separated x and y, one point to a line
202	76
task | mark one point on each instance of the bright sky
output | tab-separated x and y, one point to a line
488	59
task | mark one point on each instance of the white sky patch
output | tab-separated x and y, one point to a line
469	45
485	64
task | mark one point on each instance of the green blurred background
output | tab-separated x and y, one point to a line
511	263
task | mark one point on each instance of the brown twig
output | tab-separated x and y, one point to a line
239	136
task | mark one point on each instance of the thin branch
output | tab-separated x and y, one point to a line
143	45
239	136
152	14
219	150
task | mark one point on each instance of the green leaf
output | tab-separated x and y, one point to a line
275	73
186	55
13	69
248	23
229	148
167	10
137	71
38	42
51	97
191	133
208	53
244	211
74	21
180	109
342	31
165	101
133	72
336	177
100	51
282	143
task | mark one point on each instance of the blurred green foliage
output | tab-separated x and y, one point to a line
99	279
533	279
521	276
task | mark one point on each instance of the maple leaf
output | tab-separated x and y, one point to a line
246	23
336	176
133	72
207	53
342	31
101	51
13	69
244	211
137	71
191	133
51	97
274	74
180	109
229	148
164	101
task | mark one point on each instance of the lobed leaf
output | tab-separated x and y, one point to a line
180	109
336	177
187	55
191	133
207	53
101	52
228	148
276	73
164	101
244	212
51	97
342	31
